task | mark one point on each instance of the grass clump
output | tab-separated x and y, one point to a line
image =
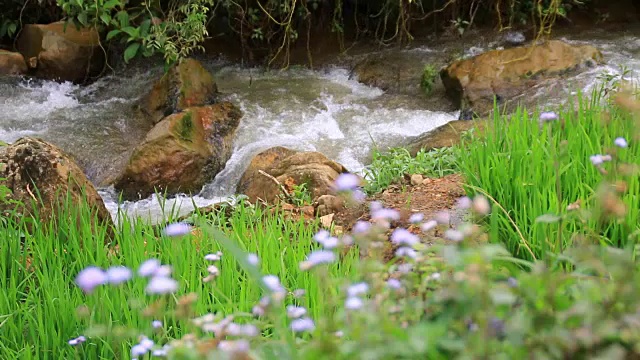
387	168
543	172
428	79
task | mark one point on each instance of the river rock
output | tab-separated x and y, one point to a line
446	135
34	169
185	85
182	152
473	83
311	168
385	72
61	52
12	63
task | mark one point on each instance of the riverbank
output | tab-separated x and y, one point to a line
400	278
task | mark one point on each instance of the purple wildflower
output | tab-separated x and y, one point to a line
416	218
302	325
177	229
148	267
118	274
621	142
548	116
161	285
90	278
353	303
402	236
347	182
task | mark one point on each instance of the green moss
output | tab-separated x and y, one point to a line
185	129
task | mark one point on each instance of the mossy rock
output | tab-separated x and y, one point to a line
182	152
186	84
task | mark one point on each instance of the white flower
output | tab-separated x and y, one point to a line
234	346
357	289
302	325
295	312
454	235
156	324
385	214
416	218
353	303
481	205
548	116
213	270
361	227
299	293
406	251
394	284
138	350
258	310
405	268
347	182
163	271
148	267
79	340
146	343
252	259
464	202
90	278
272	282
429	225
177	229
321	236
621	142
161	285
442	217
248	330
213	257
318	257
598	159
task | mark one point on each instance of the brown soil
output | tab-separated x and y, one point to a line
429	198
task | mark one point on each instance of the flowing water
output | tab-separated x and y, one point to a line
322	110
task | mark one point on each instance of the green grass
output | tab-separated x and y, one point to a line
38	306
391	166
531	171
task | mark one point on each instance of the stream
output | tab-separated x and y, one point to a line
322	110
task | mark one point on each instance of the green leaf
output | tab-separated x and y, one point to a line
131	51
111	4
105	18
123	18
80	3
144	28
131	31
82	17
13	27
113	33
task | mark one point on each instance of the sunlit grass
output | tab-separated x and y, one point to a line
532	169
39	302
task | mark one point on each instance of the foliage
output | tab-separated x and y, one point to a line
387	168
544	174
145	29
428	79
14	13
